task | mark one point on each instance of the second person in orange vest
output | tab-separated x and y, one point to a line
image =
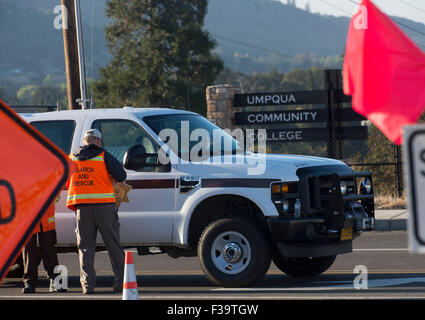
91	196
46	234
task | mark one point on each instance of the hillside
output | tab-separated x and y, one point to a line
273	25
281	31
252	36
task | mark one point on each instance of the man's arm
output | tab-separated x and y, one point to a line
114	167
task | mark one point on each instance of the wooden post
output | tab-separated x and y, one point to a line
71	55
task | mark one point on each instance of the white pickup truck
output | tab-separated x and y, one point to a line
300	212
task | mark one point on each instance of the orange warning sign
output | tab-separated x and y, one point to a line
32	173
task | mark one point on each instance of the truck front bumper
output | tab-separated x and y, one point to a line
313	237
329	220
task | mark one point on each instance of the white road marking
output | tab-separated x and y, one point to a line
171	297
383	249
218	296
61	297
257	293
372	283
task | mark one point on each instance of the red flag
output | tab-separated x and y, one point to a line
384	72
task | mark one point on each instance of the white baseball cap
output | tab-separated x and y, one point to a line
94	133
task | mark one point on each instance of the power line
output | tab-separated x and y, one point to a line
289	56
399	23
253	46
411	5
354	2
402	25
408	27
332	5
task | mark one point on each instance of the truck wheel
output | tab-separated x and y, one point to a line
304	267
233	252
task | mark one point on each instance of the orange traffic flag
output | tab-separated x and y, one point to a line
384	72
33	171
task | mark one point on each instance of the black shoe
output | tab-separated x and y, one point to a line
117	287
53	288
28	288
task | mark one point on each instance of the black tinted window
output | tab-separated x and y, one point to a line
59	132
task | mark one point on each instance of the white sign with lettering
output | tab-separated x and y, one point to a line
414	164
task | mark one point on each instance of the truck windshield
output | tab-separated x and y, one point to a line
188	133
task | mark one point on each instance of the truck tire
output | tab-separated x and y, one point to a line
304	267
233	253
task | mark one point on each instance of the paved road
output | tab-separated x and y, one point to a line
393	272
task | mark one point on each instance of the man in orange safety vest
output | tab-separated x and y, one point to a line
91	196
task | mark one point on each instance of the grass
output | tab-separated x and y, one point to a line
383	202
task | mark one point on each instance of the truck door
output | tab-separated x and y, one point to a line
148	217
62	132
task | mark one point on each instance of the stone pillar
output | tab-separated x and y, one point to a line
219	105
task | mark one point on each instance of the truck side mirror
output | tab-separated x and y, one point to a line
137	158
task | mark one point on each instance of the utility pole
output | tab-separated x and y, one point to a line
71	55
81	59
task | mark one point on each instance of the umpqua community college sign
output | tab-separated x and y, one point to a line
329	117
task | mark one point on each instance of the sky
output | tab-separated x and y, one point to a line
398	8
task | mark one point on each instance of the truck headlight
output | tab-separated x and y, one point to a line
285	206
343	186
366	184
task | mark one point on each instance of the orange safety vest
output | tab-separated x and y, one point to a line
47	222
90	183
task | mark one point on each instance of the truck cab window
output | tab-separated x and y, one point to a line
119	135
60	132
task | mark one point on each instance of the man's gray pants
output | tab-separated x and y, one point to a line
90	219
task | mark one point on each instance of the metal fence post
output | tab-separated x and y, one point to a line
330	86
398	169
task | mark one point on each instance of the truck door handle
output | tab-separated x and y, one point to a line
188	183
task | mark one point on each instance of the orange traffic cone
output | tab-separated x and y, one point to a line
130	283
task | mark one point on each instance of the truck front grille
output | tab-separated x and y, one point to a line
320	189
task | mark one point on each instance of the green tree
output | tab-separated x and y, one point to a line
41	96
26	93
161	55
310	79
2	94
